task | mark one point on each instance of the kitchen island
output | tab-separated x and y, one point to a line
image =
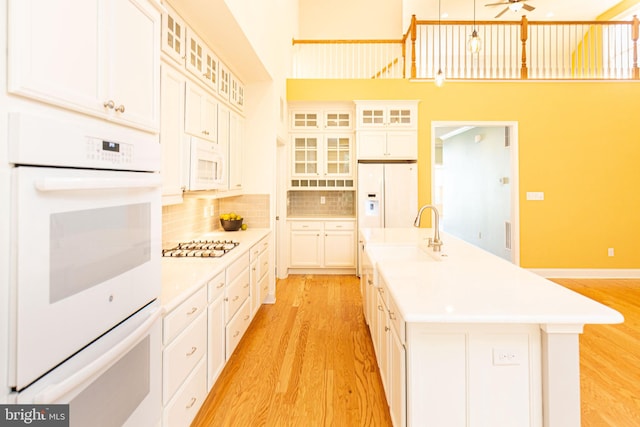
463	337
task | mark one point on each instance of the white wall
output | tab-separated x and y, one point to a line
350	19
4	211
476	204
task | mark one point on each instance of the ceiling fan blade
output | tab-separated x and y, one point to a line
497	4
527	7
502	13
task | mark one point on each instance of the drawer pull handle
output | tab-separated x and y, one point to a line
193	350
236	298
191	403
392	315
236	334
386	329
246	317
220	285
382	291
246	285
369	281
254	269
193	310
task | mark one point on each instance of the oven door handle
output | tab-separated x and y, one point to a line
85	183
52	393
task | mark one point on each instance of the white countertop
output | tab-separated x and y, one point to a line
181	277
470	285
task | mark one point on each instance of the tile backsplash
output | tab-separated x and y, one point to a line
309	203
187	220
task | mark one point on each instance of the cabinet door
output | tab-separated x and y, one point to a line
337	155
382	351
339	249
306	159
306	248
236	151
397	380
255	290
201	113
133	63
309	120
372	145
171	133
402	116
215	341
195	54
174	35
44	39
224	137
337	120
402	145
224	82
372	117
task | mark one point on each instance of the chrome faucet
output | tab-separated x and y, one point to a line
434	242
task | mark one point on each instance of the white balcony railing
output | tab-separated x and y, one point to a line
510	50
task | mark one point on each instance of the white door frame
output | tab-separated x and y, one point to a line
514	178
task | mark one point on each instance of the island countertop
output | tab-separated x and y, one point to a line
465	284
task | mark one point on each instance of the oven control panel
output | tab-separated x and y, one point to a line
109	152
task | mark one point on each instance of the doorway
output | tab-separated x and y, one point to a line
475	184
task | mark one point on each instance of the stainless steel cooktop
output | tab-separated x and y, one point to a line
201	248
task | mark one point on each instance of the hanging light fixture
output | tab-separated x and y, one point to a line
475	43
439	80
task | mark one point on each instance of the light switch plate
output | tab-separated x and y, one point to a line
535	195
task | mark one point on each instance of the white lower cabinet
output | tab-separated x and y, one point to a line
185	405
259	274
201	333
322	244
216	354
184	380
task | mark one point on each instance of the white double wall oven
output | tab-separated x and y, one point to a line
85	268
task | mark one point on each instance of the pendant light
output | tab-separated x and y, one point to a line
439	80
475	44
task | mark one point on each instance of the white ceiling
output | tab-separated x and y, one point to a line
545	10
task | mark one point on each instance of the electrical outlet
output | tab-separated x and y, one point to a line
610	251
506	356
323	200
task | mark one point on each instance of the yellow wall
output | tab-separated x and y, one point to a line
579	142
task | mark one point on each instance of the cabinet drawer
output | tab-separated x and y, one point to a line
237	293
339	225
185	405
182	355
180	317
306	225
238	265
259	247
237	327
215	286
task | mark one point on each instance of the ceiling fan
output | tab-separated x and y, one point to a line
514	5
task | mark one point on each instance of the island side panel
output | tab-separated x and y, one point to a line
561	375
456	375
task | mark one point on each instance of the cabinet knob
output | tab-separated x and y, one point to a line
120	109
191	403
109	104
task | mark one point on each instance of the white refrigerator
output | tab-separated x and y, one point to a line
387	194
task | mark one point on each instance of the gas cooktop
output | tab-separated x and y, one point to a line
201	248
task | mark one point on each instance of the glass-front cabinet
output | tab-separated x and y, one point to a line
323	149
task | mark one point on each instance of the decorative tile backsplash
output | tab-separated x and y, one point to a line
309	203
188	220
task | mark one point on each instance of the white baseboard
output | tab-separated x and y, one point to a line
587	273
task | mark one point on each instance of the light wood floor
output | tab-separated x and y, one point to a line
308	361
305	361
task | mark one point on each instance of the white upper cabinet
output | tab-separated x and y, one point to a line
171	134
387	114
201	113
102	59
224	82
174	35
321	119
201	61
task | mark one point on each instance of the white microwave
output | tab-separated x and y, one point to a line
206	166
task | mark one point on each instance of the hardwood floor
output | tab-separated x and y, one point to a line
308	360
305	361
610	355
